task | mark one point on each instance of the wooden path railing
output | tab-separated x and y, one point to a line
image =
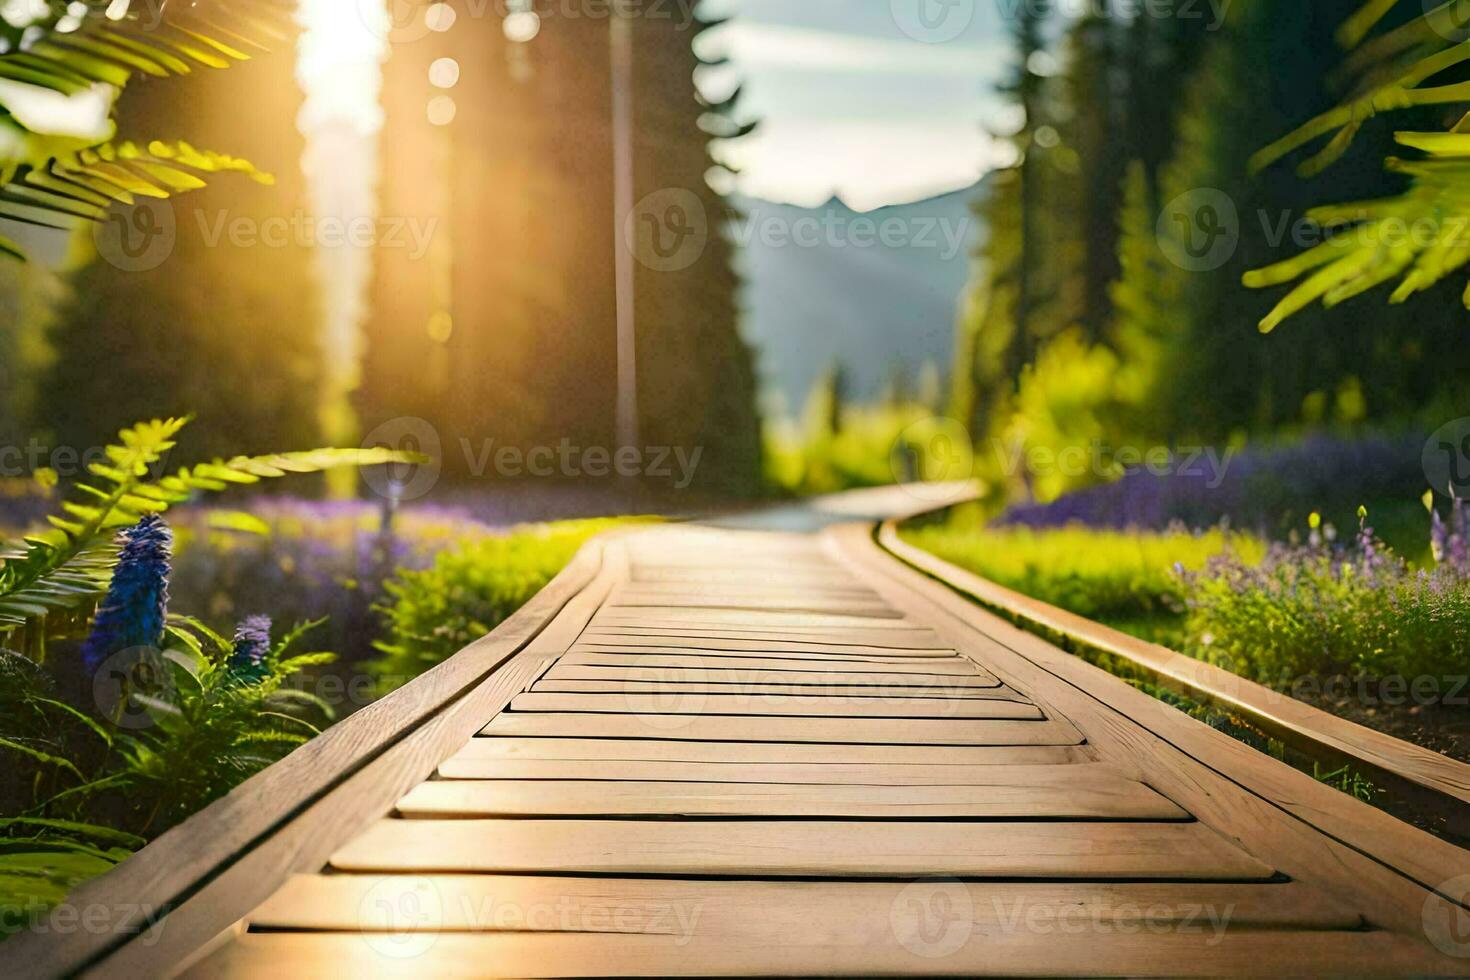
708	752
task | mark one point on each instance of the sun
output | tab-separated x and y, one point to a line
339	66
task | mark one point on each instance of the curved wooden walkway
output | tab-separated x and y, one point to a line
717	752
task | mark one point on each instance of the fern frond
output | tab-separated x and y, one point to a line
1388	240
89	51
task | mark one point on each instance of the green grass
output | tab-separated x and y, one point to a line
468	591
1124	579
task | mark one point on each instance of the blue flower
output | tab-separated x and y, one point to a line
252	647
133	613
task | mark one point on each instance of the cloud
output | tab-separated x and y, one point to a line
755	46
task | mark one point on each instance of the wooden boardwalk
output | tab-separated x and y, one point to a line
744	753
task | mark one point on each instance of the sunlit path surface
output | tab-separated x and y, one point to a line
760	752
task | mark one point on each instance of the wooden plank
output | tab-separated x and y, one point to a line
470	766
1276	711
750	618
757	648
670	750
564	671
773	651
1024	953
832	689
752	588
913	665
873	655
1080	851
911	639
699	703
704	728
1104	797
657	605
780	912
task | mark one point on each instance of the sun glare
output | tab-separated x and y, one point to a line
339	67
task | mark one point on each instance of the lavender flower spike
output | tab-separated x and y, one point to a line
133	613
252	646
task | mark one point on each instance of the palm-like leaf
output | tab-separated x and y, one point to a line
1396	71
90	51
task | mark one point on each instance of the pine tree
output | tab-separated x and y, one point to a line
697	385
1097	159
226	326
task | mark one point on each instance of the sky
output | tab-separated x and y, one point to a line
860	98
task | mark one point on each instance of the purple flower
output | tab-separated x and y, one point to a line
133	613
252	647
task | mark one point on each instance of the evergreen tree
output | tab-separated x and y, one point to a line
697	384
225	326
1096	113
514	310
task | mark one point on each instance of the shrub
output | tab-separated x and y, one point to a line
317	560
1326	609
468	591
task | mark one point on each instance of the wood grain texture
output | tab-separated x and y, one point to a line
1079	798
683	702
828	691
721	674
749	645
1006	954
1055	774
835	731
937	666
781	912
911	639
1075	851
671	750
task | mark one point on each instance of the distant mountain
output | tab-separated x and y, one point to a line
870	290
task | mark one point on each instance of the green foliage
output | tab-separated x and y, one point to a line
1321	614
876	445
41	860
1385	239
213	726
1140	176
1071	396
97	792
1107	575
469	590
63	165
62	569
